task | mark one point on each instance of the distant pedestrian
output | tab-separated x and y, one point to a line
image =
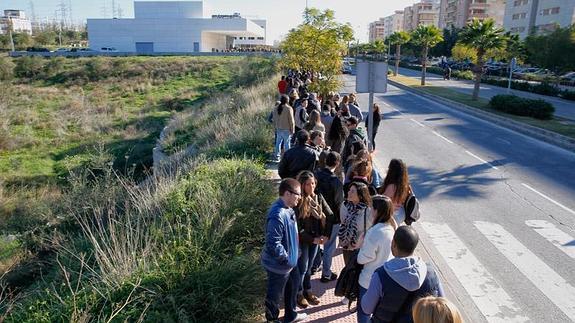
280	254
301	116
282	117
355	141
396	187
312	213
282	85
376	121
337	134
314	122
435	310
400	282
354	108
326	116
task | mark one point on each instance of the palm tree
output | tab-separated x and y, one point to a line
426	37
398	38
482	36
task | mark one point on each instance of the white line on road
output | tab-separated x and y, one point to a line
491	299
387	105
419	123
397	111
549	199
480	159
440	136
557	289
558	238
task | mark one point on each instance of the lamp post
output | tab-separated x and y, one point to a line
10	27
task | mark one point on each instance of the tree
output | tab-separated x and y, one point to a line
449	40
482	36
317	45
461	52
553	51
398	38
22	40
426	37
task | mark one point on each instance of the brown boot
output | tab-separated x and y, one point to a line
311	298
302	302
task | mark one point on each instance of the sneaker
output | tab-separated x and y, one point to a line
327	279
302	302
300	317
311	298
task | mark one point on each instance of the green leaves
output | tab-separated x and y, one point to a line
426	36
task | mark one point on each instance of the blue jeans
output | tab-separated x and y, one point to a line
282	136
304	263
328	251
278	284
361	316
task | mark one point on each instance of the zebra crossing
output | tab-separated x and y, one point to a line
494	302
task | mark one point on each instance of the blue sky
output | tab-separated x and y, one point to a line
281	14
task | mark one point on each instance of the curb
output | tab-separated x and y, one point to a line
525	129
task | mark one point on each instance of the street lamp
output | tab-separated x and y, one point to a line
10	26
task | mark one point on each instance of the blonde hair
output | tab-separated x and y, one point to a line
435	310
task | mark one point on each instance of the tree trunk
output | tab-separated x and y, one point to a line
423	65
397	58
478	73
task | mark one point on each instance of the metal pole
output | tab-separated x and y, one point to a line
511	68
10	27
370	110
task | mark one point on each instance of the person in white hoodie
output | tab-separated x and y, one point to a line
400	282
376	248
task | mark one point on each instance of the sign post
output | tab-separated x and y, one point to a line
511	68
371	77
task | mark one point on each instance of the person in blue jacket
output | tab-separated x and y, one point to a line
280	254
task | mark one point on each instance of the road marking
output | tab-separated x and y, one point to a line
419	123
397	111
440	136
491	299
480	159
387	105
558	238
549	199
539	273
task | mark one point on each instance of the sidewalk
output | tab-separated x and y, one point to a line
563	108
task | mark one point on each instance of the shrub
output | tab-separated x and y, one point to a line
545	88
29	67
464	75
512	104
568	95
6	69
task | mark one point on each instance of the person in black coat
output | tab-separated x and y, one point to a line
376	121
301	157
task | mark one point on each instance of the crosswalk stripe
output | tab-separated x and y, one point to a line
558	238
540	274
490	298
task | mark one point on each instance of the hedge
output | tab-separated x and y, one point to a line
512	104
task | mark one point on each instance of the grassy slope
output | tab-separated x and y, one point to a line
557	125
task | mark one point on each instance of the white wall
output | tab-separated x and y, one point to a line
168	9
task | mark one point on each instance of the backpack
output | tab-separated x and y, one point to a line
348	281
349	232
411	207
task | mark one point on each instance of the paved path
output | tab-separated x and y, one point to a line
563	108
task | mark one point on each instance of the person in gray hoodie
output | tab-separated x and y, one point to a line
280	253
400	282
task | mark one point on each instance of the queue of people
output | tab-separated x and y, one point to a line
332	196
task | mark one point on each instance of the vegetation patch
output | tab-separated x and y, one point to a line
513	104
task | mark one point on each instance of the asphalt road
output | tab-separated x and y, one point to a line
498	208
563	108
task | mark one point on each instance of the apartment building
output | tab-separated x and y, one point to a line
425	12
523	17
376	30
17	18
393	23
458	13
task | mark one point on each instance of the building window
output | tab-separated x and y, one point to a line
555	10
518	3
251	38
516	16
260	38
549	11
517	29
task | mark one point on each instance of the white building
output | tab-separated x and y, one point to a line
20	24
170	27
458	13
523	17
393	23
376	30
425	12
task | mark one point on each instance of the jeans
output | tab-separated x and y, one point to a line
285	136
361	316
328	251
278	284
304	263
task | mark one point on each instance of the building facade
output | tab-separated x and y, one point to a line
425	13
376	30
523	17
393	23
18	20
458	13
170	27
252	41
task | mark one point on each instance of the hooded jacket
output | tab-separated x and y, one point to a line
408	275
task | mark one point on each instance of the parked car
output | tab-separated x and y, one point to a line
62	50
568	77
108	49
37	49
346	69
